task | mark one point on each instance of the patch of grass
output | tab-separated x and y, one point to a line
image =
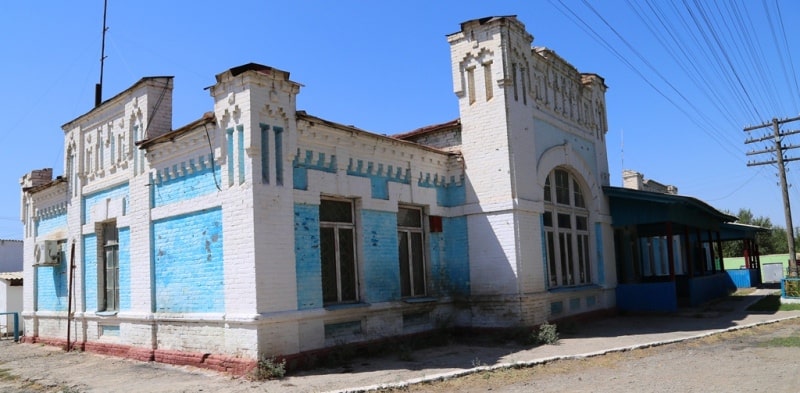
743	291
792	341
5	375
772	303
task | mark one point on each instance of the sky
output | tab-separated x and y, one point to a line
685	77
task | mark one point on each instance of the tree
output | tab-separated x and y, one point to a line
772	242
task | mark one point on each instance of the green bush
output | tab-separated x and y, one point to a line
547	334
269	368
792	288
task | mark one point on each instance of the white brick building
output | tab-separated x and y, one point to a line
261	230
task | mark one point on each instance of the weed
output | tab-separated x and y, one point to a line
478	363
792	288
269	368
547	334
782	342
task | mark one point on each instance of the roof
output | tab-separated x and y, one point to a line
429	129
736	231
129	89
636	207
45	186
11	276
302	115
260	68
208	117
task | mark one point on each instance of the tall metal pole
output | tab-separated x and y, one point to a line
787	210
98	88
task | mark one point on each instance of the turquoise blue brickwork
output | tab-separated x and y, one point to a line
188	263
448	193
240	151
108	330
229	133
436	264
124	269
381	264
90	272
556	308
89	200
278	155
177	184
601	270
457	255
378	177
51	286
264	153
545	271
574	304
307	256
301	167
50	223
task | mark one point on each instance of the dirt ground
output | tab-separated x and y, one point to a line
758	359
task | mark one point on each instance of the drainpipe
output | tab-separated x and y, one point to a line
69	292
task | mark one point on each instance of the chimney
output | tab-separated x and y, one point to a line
36	178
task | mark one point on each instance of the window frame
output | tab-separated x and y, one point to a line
108	268
412	288
566	224
338	228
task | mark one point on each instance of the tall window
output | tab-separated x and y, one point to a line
337	247
566	226
110	301
411	251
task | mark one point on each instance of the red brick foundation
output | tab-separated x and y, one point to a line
220	363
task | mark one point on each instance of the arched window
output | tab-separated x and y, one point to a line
566	227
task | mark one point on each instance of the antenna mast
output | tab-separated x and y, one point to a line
98	88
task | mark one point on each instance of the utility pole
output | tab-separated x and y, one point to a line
777	137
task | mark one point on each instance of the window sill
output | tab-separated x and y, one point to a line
576	288
422	299
106	313
344	306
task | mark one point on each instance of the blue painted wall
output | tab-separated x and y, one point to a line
50	223
744	278
705	288
188	264
601	266
300	167
200	182
89	200
381	263
457	255
124	269
650	297
51	286
90	272
307	256
379	175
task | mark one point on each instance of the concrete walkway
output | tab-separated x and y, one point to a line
594	338
84	372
